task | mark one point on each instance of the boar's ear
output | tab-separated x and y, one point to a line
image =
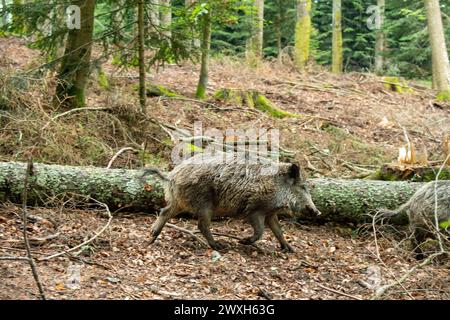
294	172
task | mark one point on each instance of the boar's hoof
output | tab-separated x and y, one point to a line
217	245
286	248
246	241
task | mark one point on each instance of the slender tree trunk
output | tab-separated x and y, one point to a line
205	47
195	40
154	15
338	200
379	44
338	59
166	17
115	19
255	43
5	15
141	27
441	68
278	36
75	66
302	33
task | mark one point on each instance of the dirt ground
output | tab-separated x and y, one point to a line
330	262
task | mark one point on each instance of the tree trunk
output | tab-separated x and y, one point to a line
338	200
166	18
205	46
116	18
75	66
441	68
255	43
195	40
338	59
5	14
278	36
141	27
302	33
154	15
379	43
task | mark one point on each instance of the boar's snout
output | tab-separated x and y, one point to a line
312	210
309	209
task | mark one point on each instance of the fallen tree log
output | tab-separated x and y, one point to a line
339	200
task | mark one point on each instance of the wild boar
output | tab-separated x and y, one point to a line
234	188
421	208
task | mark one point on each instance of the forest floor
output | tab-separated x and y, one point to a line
351	125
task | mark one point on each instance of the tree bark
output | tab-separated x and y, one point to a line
195	40
338	200
141	27
75	66
205	47
255	43
338	58
379	43
154	15
5	14
302	33
441	68
166	18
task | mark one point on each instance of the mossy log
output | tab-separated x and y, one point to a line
253	99
154	90
397	85
339	200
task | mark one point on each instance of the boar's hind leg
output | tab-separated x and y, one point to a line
204	221
256	220
274	225
419	237
164	216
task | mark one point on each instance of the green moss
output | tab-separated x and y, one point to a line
253	99
397	85
230	96
443	96
303	31
265	105
201	92
194	148
444	224
159	91
103	79
337	51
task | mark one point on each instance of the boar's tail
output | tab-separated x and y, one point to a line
161	175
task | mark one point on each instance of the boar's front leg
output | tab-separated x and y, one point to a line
274	225
256	220
204	221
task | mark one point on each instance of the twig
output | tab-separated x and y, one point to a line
73	111
339	292
118	154
38	240
380	291
192	233
28	173
14	258
89	240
